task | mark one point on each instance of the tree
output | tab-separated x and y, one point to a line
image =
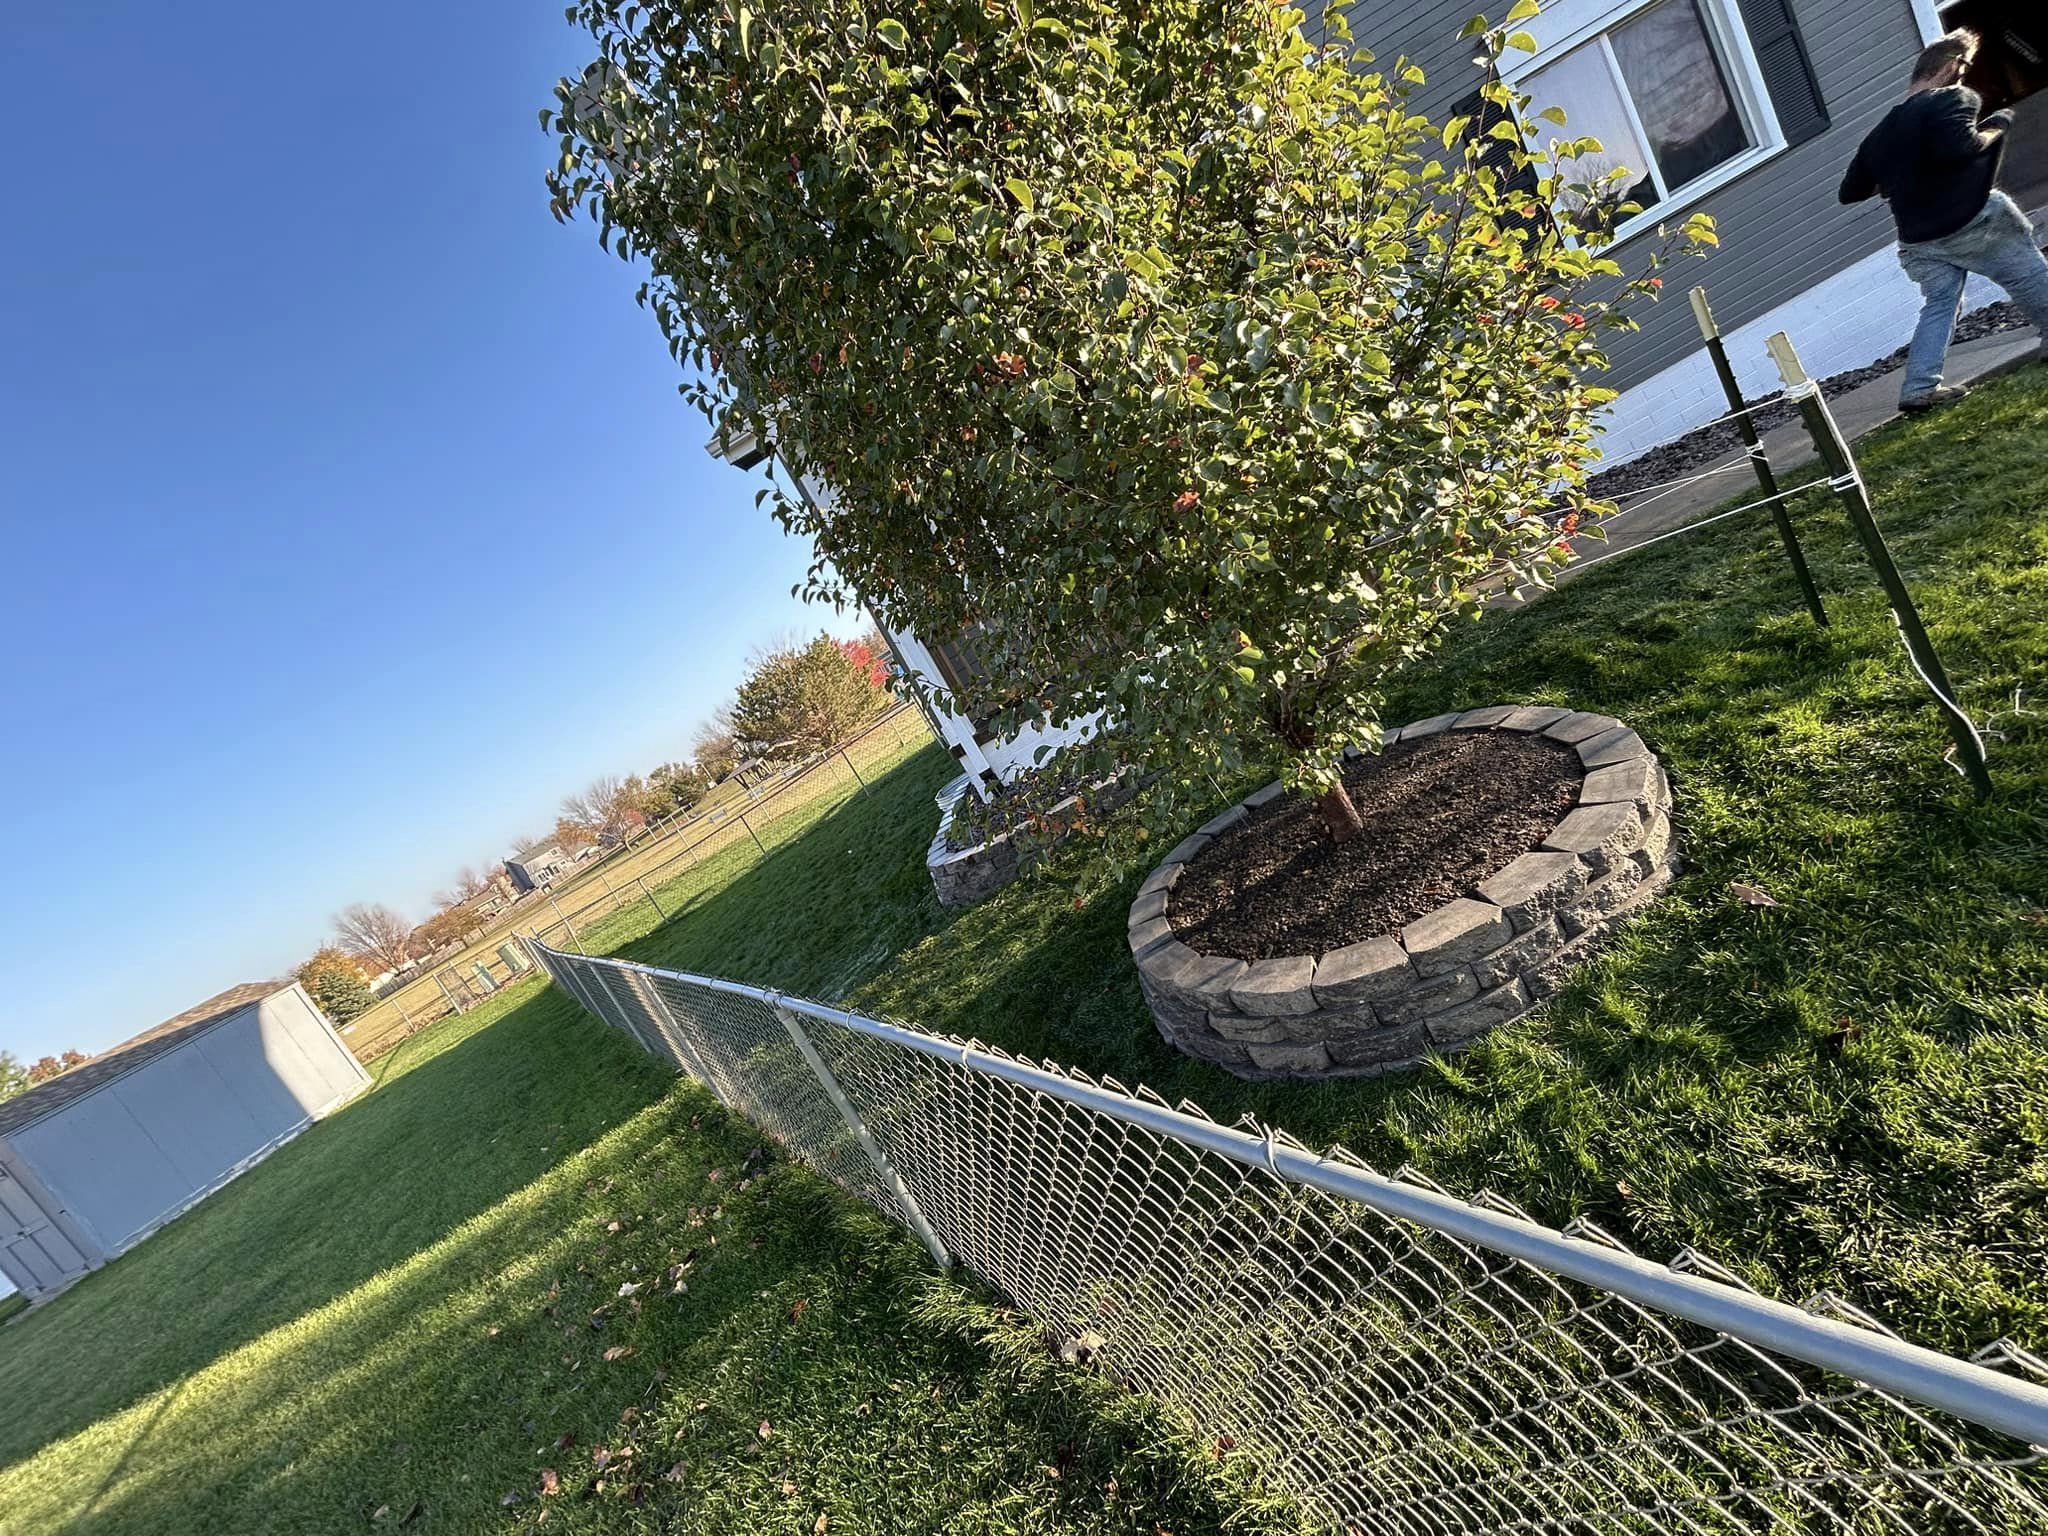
469	881
802	700
592	809
376	935
335	981
673	787
572	835
450	925
868	656
46	1067
14	1076
712	748
1179	357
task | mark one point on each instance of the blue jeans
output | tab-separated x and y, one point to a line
1998	244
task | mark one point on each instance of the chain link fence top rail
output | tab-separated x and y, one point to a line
1401	1361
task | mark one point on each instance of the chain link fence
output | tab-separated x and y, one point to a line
646	877
1402	1361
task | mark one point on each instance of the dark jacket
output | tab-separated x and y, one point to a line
1932	161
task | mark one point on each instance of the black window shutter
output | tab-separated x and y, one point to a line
1787	68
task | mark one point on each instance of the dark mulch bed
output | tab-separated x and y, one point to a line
1696	450
1441	814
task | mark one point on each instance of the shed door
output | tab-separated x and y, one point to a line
34	1252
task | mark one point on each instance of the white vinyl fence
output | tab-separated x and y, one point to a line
1402	1361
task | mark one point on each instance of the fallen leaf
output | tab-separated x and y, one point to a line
1752	896
601	1457
507	1500
625	1289
619	1352
566	1441
764	1431
550	1481
381	1511
613	1226
788	1489
675	1473
1623	1188
418	1509
818	1526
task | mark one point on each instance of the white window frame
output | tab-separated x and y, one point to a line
1928	14
1568	24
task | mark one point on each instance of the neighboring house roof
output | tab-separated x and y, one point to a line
537	851
130	1054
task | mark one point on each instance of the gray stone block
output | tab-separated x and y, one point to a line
1249	1029
1225	1053
1488	1011
1482	719
1459	931
1615	746
1302	1057
1148	905
1218	825
1260	798
1429	727
1601	835
1524	951
1533	717
1636	779
1428	997
1149	934
1276	987
1363	973
1178	1018
1658	840
1604	896
1391	1045
1188	847
1161	879
1576	727
1535	886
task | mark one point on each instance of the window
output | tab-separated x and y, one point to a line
1668	87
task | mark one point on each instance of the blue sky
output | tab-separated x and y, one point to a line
351	515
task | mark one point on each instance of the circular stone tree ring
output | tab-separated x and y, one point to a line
1478	961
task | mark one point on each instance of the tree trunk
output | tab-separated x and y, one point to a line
1340	816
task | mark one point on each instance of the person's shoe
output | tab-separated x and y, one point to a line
1934	399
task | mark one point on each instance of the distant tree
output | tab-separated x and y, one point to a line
713	748
14	1076
571	835
592	808
47	1067
869	657
375	934
673	787
335	981
451	925
468	881
799	701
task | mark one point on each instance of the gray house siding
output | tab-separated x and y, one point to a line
1782	230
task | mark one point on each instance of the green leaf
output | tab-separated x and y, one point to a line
1020	191
1553	115
746	32
1525	41
892	33
1524	9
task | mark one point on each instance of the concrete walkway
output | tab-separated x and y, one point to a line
1650	514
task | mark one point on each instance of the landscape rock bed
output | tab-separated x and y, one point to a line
966	872
1464	965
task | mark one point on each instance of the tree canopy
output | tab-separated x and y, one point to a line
799	701
336	983
1180	357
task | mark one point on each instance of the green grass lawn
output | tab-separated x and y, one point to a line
402	1318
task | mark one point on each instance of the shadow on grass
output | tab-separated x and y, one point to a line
442	1140
794	1375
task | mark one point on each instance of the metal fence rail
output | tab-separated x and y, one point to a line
1401	1360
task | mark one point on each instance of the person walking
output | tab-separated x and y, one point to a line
1937	165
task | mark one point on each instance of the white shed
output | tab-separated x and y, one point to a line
95	1160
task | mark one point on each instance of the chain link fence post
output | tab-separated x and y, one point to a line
659	915
886	1169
